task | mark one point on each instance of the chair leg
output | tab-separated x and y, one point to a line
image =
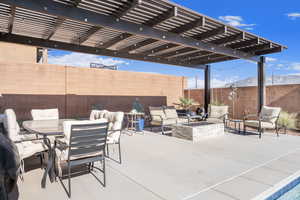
162	130
277	132
107	150
104	175
120	156
260	132
244	130
69	180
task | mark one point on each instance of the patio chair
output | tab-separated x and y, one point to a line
83	144
27	144
217	114
44	114
115	120
267	119
164	116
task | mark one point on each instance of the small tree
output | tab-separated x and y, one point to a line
186	103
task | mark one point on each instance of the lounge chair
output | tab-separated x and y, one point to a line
217	114
164	116
27	144
44	114
267	119
83	143
115	120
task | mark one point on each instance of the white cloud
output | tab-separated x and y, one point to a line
236	21
293	15
82	60
269	59
295	66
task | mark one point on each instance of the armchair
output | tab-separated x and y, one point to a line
217	114
266	119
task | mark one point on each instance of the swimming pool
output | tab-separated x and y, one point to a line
289	192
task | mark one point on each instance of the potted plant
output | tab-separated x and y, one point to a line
287	120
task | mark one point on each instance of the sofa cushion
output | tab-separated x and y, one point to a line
157	114
270	114
171	113
217	111
255	124
11	125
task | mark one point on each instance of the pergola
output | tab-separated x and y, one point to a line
148	30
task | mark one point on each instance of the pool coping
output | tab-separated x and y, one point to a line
280	188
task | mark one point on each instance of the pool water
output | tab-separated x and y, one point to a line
293	194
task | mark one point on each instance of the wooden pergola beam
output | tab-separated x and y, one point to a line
172	12
58	22
138	45
232	38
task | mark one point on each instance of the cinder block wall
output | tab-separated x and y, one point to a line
17	53
74	90
285	96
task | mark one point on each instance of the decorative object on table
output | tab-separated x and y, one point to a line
136	105
233	95
134	120
266	119
186	103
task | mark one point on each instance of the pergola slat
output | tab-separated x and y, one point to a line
97	19
114	40
177	52
212	33
59	21
159	48
138	45
187	27
240	36
244	43
163	17
123	10
85	36
259	47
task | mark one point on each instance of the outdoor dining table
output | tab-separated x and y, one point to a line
45	129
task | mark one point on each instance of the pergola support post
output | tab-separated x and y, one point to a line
261	82
207	89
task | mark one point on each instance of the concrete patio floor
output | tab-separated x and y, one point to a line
160	167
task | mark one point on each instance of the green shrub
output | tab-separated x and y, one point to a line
186	103
217	103
287	120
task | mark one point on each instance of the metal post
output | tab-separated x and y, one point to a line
261	100
207	87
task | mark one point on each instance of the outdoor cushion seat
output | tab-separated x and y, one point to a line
44	114
255	124
62	147
115	121
214	120
218	112
29	148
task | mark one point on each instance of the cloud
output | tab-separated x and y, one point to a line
295	66
236	21
293	15
82	60
269	59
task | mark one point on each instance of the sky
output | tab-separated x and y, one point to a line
272	19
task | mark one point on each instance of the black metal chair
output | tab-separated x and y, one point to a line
85	145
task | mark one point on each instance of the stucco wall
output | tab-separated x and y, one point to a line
10	52
74	90
285	96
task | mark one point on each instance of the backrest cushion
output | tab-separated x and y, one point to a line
157	113
68	124
11	125
217	111
44	114
98	114
270	114
171	112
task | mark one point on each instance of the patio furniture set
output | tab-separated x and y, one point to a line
67	142
213	123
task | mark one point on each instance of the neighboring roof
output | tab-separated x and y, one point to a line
149	30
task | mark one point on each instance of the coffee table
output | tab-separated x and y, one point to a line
198	131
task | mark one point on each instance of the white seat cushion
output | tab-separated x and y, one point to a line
255	124
44	114
28	148
164	122
157	114
11	125
171	113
